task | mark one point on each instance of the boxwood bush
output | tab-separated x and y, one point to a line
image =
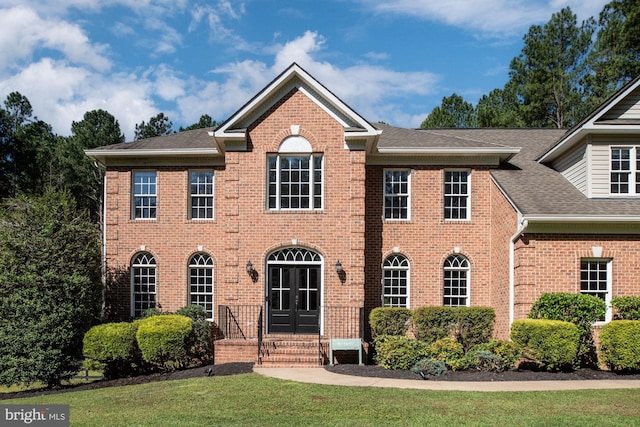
579	309
626	308
389	321
163	339
113	348
620	345
467	325
553	344
399	351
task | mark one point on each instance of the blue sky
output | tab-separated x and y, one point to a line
390	60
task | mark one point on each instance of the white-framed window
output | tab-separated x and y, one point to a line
396	194
595	279
456	281
201	282
143	283
625	170
144	194
457	191
294	182
395	281
201	194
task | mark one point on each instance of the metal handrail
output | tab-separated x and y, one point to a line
260	337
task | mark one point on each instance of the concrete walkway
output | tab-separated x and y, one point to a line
322	376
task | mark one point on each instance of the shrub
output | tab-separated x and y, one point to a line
579	309
467	325
433	323
399	351
448	351
620	345
200	342
389	321
112	347
432	367
551	343
475	325
163	339
626	308
484	360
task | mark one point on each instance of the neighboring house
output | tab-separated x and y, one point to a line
296	217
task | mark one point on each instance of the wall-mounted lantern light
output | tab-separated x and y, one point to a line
341	273
252	272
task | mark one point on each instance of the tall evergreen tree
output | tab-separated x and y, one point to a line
50	289
454	112
205	122
158	125
548	73
615	57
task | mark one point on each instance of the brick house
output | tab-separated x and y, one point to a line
296	217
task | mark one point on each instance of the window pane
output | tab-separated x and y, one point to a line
456	194
294	188
396	197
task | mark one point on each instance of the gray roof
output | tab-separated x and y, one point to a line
394	137
534	188
197	138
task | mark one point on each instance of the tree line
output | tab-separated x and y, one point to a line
564	71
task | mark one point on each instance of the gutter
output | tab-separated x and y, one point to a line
512	291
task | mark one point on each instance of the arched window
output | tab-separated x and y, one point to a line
143	283
294	177
201	282
395	281
456	281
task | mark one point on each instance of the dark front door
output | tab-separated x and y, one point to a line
294	299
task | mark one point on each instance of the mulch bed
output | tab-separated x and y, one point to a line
474	375
345	369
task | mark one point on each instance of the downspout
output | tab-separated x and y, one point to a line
512	291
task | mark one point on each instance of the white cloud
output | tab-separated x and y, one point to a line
495	18
24	32
374	92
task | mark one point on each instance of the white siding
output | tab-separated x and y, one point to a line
600	161
627	108
573	166
600	169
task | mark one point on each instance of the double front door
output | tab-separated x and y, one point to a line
293	298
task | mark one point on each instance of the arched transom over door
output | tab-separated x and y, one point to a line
294	291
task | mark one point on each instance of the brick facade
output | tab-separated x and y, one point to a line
350	227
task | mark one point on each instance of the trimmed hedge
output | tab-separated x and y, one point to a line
626	308
163	339
580	309
399	351
551	343
620	345
389	321
112	347
467	325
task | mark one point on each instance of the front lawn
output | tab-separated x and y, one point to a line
251	399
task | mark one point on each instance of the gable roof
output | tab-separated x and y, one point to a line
232	133
614	116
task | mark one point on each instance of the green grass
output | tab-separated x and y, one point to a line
251	399
79	379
